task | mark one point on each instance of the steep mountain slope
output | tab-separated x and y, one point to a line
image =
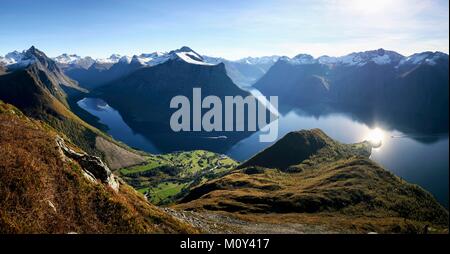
100	73
304	145
66	61
54	77
143	97
91	73
296	84
156	86
324	179
377	84
47	186
35	85
103	71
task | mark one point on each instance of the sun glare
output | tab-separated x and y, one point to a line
375	137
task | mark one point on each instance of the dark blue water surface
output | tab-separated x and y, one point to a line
417	158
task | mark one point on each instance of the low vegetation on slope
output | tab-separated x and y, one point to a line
304	148
330	180
37	91
167	178
43	191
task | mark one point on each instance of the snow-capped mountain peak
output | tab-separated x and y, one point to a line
14	56
258	60
67	59
149	59
125	59
427	57
6	61
303	59
25	58
299	59
379	57
73	59
19	60
187	55
328	60
114	58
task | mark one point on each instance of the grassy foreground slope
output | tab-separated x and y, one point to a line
44	191
319	180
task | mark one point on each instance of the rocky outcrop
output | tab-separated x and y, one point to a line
93	167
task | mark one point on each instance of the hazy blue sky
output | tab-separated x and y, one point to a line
232	28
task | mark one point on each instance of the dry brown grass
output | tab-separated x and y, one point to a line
334	181
28	91
42	193
348	224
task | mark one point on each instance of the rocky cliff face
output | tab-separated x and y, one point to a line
93	167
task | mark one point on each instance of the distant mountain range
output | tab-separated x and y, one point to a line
245	72
143	97
91	73
39	88
372	83
377	84
58	171
35	71
120	83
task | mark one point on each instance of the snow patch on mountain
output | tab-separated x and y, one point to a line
114	58
379	57
192	58
21	59
15	56
5	61
11	58
303	59
381	60
427	57
328	60
258	60
67	59
151	59
125	59
214	60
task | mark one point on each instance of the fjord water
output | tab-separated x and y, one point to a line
418	158
117	128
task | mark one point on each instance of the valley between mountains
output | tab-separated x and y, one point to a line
60	172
